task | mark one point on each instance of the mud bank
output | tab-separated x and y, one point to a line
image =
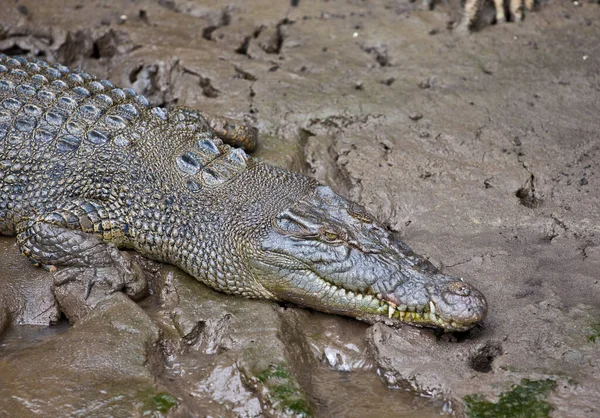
482	151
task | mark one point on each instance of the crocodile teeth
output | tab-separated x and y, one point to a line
402	315
391	309
431	307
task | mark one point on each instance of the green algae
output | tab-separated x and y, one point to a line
525	400
299	406
593	333
164	401
156	404
284	392
278	371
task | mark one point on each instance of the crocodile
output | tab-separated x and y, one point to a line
88	169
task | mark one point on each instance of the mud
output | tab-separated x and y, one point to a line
481	151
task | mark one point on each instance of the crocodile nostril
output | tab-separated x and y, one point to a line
460	289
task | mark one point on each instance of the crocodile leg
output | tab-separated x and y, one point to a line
72	236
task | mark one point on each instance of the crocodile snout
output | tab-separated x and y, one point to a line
459	303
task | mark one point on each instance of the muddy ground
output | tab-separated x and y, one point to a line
481	150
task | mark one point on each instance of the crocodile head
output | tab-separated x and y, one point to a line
328	253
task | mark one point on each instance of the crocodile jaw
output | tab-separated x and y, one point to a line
434	310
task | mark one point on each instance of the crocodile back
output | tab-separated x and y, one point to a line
65	134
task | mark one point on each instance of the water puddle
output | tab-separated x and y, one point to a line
19	337
221	388
361	393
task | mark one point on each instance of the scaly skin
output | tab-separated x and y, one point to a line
85	167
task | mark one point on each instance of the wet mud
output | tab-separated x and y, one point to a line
480	150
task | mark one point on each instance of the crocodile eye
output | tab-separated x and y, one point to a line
358	212
331	236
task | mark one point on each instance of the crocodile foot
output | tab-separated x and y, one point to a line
91	268
123	274
79	289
